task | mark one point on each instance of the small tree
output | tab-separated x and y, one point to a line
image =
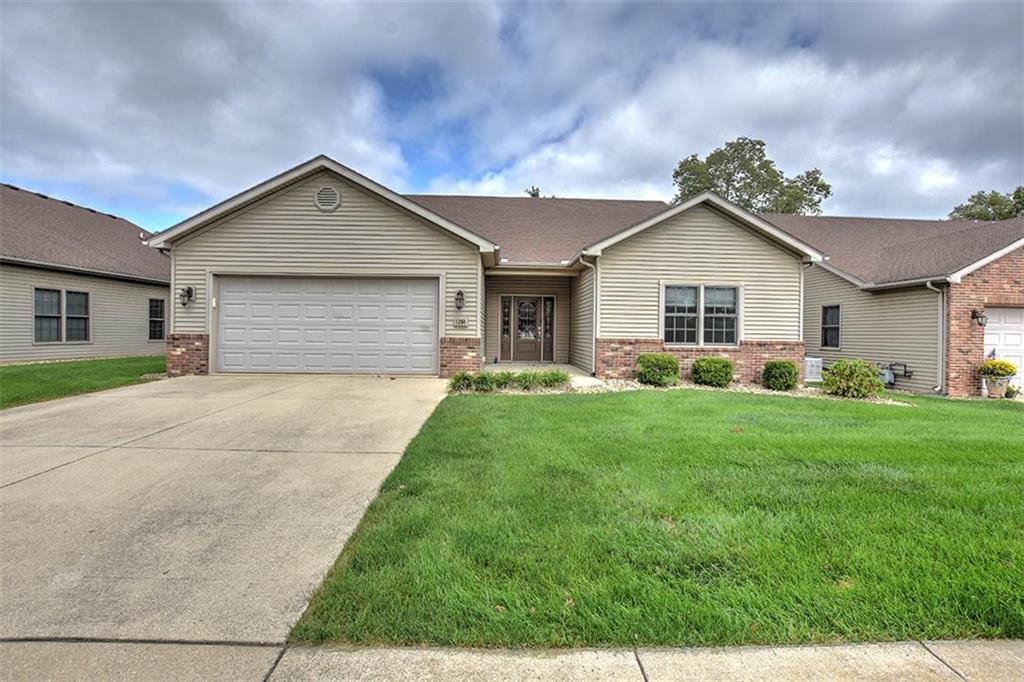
991	205
532	191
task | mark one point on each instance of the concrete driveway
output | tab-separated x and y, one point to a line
200	509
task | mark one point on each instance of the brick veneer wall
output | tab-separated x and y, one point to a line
188	354
459	353
1000	283
616	358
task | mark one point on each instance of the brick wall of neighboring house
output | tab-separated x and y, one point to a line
616	358
459	353
188	354
1000	283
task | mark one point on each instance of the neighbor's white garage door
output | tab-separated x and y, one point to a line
1004	334
312	324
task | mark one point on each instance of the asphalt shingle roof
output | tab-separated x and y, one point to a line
40	229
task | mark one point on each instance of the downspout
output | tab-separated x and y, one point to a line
593	318
942	337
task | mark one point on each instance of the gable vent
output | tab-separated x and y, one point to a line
327	199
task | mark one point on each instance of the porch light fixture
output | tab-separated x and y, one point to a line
185	295
460	299
979	317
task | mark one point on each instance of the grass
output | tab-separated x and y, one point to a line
22	384
688	518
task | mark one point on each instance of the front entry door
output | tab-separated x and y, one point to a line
527	329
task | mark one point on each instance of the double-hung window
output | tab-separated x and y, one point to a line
681	314
701	315
721	315
156	319
830	326
48	315
60	316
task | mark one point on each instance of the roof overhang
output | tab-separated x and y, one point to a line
166	238
728	208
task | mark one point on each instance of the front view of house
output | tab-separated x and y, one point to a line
322	270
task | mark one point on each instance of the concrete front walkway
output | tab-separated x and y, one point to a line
995	661
197	510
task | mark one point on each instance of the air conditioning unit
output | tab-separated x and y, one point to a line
812	369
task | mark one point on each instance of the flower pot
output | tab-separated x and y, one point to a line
997	386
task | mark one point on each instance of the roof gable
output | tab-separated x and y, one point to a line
316	165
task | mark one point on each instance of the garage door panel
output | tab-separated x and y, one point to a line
269	324
1004	337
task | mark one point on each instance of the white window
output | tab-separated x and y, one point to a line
48	315
76	315
830	327
701	315
156	319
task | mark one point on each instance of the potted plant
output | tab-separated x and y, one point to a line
996	375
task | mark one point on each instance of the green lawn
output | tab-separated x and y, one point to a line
21	384
688	517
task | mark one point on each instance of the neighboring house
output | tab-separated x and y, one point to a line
76	283
932	297
320	269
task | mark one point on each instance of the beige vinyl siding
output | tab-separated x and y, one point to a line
903	325
118	315
286	234
581	326
498	285
699	246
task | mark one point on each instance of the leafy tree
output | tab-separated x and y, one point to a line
991	206
532	191
742	173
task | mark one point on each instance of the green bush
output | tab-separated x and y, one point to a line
712	371
657	369
554	378
484	382
779	375
851	379
528	381
460	381
504	379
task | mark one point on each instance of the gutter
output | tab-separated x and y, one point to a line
42	265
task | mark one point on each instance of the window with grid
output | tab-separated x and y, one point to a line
830	326
156	319
680	314
47	315
76	316
721	315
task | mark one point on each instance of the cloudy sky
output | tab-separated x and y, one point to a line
154	111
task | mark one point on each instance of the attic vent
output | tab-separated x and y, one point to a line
327	199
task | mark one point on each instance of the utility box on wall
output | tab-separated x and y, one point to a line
812	369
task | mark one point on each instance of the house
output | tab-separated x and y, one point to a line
320	269
76	283
929	298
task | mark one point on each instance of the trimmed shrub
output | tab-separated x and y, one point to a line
460	381
851	379
484	382
712	371
779	375
997	368
657	369
528	381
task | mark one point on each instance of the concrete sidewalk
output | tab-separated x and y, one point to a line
997	661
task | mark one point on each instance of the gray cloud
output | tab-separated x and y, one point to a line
907	108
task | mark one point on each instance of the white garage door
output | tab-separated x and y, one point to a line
1004	334
311	324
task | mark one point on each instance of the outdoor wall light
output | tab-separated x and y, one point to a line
460	300
979	317
185	295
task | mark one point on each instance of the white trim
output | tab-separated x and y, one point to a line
941	385
963	272
721	204
319	163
